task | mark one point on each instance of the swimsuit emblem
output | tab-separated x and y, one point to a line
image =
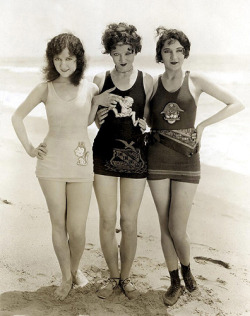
126	109
82	154
171	112
127	159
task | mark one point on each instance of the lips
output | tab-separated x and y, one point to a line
174	63
123	65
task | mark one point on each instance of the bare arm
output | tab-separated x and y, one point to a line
233	104
106	99
37	95
153	83
94	106
148	87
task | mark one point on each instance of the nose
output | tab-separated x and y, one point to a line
173	55
63	64
122	59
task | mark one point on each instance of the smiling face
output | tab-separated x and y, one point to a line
123	57
65	63
172	54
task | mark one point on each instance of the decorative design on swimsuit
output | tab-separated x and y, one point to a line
186	136
82	154
127	159
171	112
126	109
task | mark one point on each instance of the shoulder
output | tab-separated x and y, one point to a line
40	91
99	79
199	79
92	88
148	82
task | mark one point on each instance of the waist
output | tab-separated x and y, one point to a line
65	133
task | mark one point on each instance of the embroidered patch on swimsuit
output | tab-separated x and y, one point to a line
126	109
171	112
82	154
127	159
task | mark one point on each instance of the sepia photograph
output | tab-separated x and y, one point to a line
124	166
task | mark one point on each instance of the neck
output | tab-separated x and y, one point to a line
124	72
169	74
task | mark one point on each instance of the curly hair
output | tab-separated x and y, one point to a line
170	35
55	46
121	33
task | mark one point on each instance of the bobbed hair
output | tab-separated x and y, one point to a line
121	33
170	35
55	46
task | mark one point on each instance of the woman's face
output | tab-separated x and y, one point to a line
65	63
123	57
172	54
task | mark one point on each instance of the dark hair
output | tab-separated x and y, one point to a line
170	35
121	33
55	46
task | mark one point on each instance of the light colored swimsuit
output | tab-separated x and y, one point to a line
69	157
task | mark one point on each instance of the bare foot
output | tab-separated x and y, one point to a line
63	290
79	279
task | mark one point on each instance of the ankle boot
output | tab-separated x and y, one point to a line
175	290
188	278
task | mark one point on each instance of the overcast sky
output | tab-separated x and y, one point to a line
213	26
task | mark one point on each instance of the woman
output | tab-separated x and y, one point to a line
119	153
173	158
65	165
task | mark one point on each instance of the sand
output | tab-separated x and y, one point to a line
29	272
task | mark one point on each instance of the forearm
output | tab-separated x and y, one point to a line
93	111
226	112
22	134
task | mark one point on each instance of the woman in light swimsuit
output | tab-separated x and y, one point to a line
65	164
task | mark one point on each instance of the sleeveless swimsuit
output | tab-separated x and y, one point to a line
69	156
173	116
119	149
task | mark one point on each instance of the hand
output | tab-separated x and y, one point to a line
107	99
198	135
143	125
40	152
102	114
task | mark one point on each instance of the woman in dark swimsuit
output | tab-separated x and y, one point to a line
119	152
173	158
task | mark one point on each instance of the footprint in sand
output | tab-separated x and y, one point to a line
203	260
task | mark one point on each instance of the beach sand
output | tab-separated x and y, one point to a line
29	272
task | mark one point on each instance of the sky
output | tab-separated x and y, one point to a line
213	26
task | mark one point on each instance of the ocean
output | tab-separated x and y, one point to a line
225	144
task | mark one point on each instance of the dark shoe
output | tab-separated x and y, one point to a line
129	289
172	295
188	278
175	290
108	287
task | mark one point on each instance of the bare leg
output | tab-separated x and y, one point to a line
182	196
160	190
131	196
55	194
106	195
78	200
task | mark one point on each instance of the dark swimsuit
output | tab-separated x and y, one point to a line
173	116
119	149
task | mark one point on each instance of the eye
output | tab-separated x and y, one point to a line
180	50
56	58
69	58
115	54
167	51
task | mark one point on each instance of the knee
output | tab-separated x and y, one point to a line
128	226
77	235
59	228
177	235
107	223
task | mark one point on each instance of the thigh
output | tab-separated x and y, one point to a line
55	195
106	194
182	196
131	193
160	190
78	200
